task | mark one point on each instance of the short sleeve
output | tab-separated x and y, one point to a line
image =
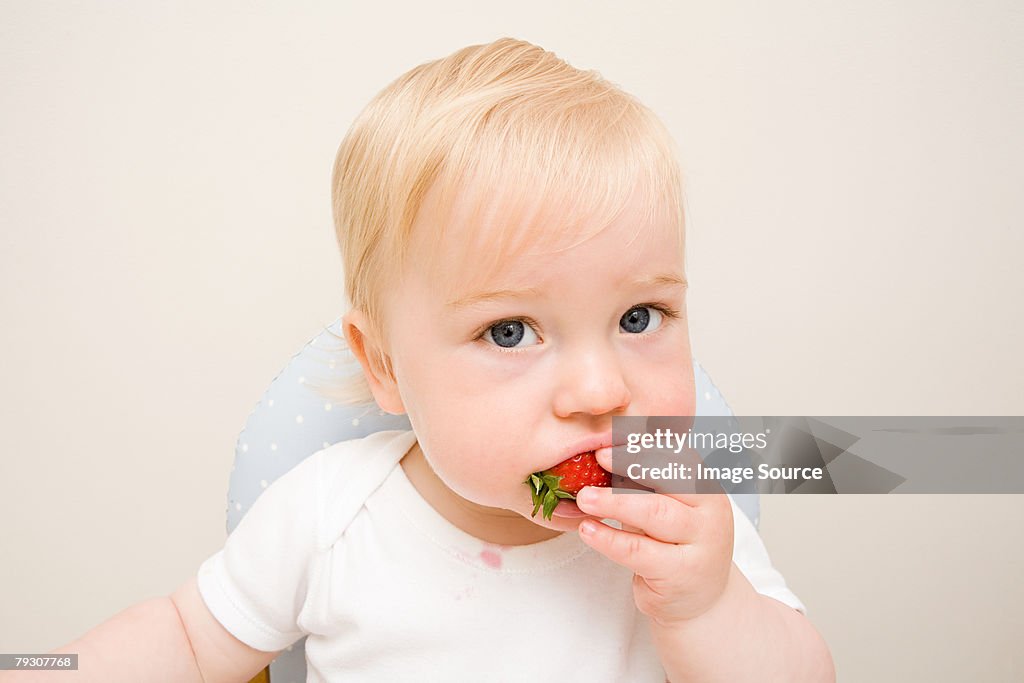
256	585
751	557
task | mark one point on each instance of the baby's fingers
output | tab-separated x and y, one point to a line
642	554
666	472
620	478
661	517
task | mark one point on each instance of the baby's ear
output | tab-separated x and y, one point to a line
376	364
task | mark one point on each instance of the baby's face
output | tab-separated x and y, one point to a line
516	371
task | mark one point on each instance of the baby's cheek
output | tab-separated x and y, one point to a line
681	392
688	404
674	398
490	478
469	463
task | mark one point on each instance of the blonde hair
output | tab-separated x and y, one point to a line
525	127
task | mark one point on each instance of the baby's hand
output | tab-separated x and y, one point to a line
679	545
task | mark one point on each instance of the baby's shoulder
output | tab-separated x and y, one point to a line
344	475
340	464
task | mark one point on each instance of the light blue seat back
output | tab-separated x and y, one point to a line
292	421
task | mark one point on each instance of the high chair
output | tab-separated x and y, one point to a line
292	421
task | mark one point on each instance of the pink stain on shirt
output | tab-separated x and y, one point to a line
491	558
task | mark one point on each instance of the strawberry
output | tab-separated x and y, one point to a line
565	480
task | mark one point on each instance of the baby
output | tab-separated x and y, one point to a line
512	235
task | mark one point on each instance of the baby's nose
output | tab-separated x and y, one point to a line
591	383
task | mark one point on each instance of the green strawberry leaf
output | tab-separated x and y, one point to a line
550	501
545	492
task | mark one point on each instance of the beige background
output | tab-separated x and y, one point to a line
853	185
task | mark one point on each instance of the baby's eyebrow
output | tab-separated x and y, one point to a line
660	280
670	279
472	299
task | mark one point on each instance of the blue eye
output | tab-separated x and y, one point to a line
509	333
640	319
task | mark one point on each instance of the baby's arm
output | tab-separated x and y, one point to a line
172	639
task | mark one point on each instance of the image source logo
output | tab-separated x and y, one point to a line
797	454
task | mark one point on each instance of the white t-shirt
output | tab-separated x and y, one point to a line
343	548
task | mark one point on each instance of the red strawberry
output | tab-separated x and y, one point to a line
565	480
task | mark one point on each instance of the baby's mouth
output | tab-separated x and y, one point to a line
557	486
